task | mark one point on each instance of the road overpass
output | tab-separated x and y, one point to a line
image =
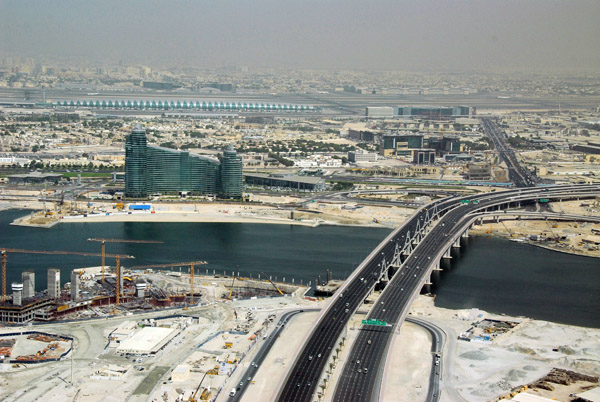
404	261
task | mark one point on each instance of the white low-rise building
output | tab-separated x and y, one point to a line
146	341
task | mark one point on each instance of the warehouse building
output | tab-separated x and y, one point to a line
34	178
285	181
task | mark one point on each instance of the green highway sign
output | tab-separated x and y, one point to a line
374	322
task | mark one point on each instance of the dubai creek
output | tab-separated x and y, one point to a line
492	274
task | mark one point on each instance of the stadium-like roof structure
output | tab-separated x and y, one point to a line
184	105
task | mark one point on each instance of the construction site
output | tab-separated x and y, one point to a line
108	290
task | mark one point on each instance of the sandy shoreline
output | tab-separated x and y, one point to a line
175	217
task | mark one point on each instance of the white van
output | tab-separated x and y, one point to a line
232	393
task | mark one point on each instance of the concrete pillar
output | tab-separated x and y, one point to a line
54	283
465	233
17	289
448	253
456	243
28	279
437	266
140	289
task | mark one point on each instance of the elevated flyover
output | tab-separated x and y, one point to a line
403	261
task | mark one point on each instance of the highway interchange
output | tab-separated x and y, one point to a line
371	346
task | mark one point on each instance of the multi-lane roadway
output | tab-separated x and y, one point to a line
520	176
261	354
370	347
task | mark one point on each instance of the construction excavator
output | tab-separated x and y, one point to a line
193	397
231	289
275	286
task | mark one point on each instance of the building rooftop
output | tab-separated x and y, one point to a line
288	177
147	340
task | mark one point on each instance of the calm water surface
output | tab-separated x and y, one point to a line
495	275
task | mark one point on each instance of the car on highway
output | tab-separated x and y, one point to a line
310	357
365	370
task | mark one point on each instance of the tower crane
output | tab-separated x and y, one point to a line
4	252
178	264
104	241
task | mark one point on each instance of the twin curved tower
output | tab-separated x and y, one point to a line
152	170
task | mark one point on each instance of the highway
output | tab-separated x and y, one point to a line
520	176
371	345
437	345
261	354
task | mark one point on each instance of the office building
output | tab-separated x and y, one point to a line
435	112
424	156
444	145
28	279
400	144
151	169
54	283
357	156
363	135
479	171
231	174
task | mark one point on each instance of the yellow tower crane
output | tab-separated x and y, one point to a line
178	264
4	252
104	241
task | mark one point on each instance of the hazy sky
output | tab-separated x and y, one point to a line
344	34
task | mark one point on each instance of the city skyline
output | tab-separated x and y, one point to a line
429	35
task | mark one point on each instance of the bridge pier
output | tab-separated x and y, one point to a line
428	283
437	266
447	253
465	233
456	244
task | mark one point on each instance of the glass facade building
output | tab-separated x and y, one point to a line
231	174
151	169
136	157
